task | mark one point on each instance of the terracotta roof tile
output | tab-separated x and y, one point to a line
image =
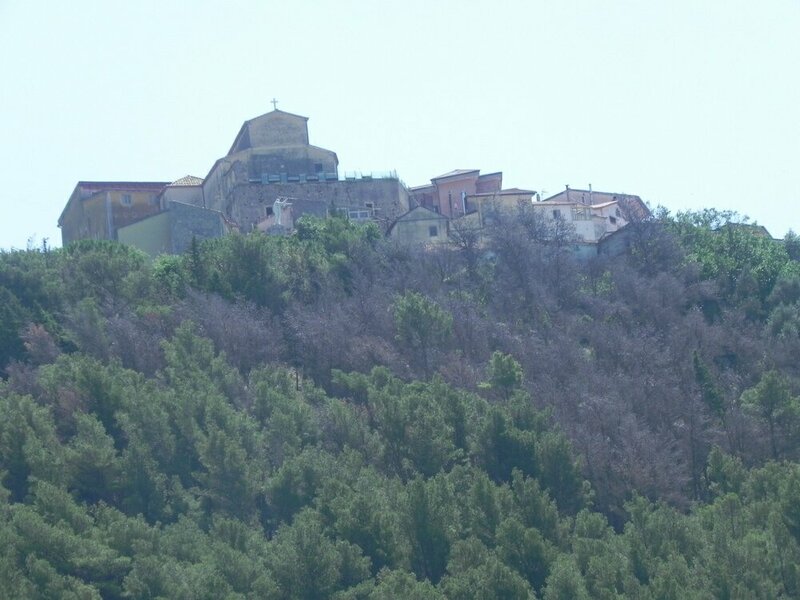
187	180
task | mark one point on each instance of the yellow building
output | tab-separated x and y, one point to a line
97	209
419	226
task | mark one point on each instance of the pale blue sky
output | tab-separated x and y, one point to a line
689	104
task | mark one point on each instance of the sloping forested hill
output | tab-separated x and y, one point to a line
330	415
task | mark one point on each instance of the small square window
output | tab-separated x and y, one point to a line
125	200
318	168
433	231
613	220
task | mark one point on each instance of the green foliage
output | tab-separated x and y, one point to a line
366	514
565	582
475	572
511	439
725	474
732	252
526	551
771	399
402	584
504	373
31	290
91	462
791	242
430	522
102	269
204	476
709	392
421	325
13	318
169	274
29	446
309	565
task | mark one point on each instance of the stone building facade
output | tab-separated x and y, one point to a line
420	226
270	158
171	231
448	194
97	209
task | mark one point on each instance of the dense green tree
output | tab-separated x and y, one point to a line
13	318
728	250
430	521
475	572
102	270
91	462
29	445
296	483
709	392
309	565
565	582
772	400
526	551
173	428
367	516
504	373
402	584
422	325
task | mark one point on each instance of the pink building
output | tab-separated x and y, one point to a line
449	194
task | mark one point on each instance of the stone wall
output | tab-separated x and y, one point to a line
385	199
420	227
187	194
277	128
295	161
187	221
142	204
150	234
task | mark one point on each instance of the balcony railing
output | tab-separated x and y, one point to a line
267	178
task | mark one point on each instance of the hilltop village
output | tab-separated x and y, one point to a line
272	176
308	410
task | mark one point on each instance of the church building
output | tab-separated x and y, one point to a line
270	163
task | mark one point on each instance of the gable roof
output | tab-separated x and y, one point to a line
95	187
276	112
99	186
244	129
418	213
570	191
187	180
456	173
507	192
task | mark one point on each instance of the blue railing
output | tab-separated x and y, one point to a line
267	178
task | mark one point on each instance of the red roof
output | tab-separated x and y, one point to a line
122	185
508	192
188	180
455	173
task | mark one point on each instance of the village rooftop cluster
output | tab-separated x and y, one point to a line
272	176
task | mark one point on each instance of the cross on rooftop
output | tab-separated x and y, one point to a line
274	104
